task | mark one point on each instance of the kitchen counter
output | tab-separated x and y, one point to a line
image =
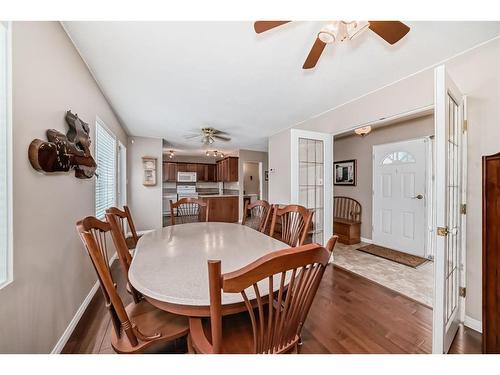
224	195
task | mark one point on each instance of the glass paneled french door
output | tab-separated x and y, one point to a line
312	180
449	115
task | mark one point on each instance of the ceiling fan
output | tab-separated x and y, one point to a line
340	31
209	136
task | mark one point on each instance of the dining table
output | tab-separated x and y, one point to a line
169	267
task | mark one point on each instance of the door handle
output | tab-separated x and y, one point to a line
420	196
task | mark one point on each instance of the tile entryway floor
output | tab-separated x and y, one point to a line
416	283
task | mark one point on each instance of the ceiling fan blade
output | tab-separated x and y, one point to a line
390	31
314	54
191	136
261	26
225	139
219	132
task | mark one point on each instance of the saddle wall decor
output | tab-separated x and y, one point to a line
63	152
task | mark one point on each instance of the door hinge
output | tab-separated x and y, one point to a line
462	291
463	209
442	231
464	126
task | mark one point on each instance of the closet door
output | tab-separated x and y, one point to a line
491	254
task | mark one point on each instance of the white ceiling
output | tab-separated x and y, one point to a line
168	79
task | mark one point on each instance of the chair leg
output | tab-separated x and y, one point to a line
190	345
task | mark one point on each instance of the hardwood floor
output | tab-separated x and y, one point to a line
350	314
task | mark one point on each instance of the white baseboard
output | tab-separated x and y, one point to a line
141	232
474	324
74	321
367	240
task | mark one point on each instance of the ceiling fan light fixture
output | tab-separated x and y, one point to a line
363	130
328	34
356	28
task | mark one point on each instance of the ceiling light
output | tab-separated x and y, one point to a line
363	131
171	154
328	34
207	153
356	28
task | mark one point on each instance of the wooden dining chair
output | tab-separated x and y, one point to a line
113	217
188	210
125	219
295	222
259	215
273	322
137	326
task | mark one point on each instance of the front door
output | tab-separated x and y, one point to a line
399	186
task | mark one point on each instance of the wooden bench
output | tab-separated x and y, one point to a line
347	220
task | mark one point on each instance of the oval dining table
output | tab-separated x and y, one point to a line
170	269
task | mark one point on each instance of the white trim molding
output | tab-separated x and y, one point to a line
78	315
474	324
366	240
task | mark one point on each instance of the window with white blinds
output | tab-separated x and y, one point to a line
105	155
5	230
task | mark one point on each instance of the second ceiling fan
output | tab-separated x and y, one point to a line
333	31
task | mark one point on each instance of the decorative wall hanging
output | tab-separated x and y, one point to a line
149	165
344	172
61	152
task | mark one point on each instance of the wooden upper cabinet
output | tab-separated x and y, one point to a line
182	167
211	172
227	169
169	172
191	167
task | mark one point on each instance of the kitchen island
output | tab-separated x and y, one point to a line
222	207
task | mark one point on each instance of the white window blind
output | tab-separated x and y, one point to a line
105	192
4	159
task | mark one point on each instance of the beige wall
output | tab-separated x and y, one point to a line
477	74
360	148
145	201
52	272
279	168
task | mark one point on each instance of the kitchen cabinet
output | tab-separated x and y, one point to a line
200	172
169	172
191	167
227	169
182	167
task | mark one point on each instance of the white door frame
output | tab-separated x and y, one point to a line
121	181
327	139
428	206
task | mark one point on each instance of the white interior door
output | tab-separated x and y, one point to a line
448	200
399	186
312	179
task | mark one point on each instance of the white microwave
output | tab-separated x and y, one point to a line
186	176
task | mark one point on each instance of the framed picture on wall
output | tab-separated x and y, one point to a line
344	173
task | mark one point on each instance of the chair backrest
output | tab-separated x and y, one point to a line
93	234
260	211
293	276
125	219
115	219
347	208
188	210
295	223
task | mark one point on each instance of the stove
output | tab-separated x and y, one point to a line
186	191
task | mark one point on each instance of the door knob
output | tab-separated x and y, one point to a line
420	196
